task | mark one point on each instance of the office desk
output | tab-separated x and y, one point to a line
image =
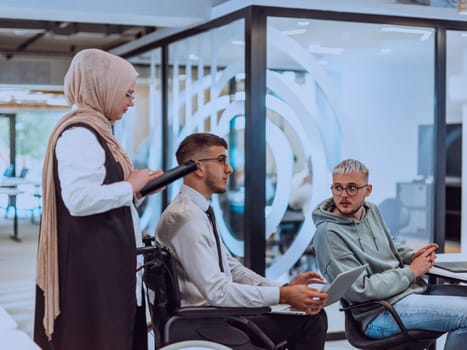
12	192
442	273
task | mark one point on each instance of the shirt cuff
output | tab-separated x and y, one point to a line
126	192
138	201
271	295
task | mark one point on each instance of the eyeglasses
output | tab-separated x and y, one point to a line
351	189
130	96
221	159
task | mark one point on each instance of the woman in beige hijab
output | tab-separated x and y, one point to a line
89	295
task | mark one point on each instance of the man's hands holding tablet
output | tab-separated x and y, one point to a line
301	297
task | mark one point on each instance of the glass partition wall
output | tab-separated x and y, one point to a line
206	93
340	90
294	92
456	113
141	132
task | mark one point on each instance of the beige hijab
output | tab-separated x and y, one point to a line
96	82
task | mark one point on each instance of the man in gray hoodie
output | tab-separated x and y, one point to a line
350	232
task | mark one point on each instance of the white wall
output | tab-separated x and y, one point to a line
383	108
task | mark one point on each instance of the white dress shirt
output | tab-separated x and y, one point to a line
185	228
81	172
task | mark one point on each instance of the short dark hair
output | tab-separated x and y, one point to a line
197	142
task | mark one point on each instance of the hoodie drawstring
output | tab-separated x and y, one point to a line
372	234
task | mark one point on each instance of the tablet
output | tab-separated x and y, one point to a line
335	290
342	283
453	266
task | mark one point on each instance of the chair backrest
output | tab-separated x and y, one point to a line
23	172
395	214
415	340
10	171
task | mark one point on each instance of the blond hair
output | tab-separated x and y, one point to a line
350	166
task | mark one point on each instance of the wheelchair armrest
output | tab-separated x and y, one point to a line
385	305
215	311
233	316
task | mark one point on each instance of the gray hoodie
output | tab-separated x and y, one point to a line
342	243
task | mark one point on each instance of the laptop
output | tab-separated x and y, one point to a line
335	290
453	266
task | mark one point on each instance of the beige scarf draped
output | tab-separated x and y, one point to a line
96	81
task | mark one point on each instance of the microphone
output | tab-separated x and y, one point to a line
169	176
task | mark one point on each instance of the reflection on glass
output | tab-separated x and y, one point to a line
4	143
233	202
143	133
206	93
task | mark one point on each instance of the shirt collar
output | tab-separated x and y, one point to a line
195	196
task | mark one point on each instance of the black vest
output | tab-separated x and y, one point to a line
97	273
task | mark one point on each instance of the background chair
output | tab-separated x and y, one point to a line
172	323
9	171
396	215
406	340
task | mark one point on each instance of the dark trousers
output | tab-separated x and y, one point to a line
300	332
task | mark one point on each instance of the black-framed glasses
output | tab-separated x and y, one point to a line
130	96
221	159
351	189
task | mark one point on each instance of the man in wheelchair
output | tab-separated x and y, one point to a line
209	275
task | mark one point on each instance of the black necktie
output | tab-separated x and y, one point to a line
212	218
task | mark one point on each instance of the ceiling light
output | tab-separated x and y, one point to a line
20	32
193	57
303	23
316	48
5	98
425	34
238	42
293	31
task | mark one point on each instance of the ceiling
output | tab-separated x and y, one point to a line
58	29
38	39
19	37
54	28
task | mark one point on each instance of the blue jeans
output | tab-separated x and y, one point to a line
441	308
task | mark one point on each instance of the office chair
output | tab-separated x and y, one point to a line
172	323
395	214
406	340
23	172
9	171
